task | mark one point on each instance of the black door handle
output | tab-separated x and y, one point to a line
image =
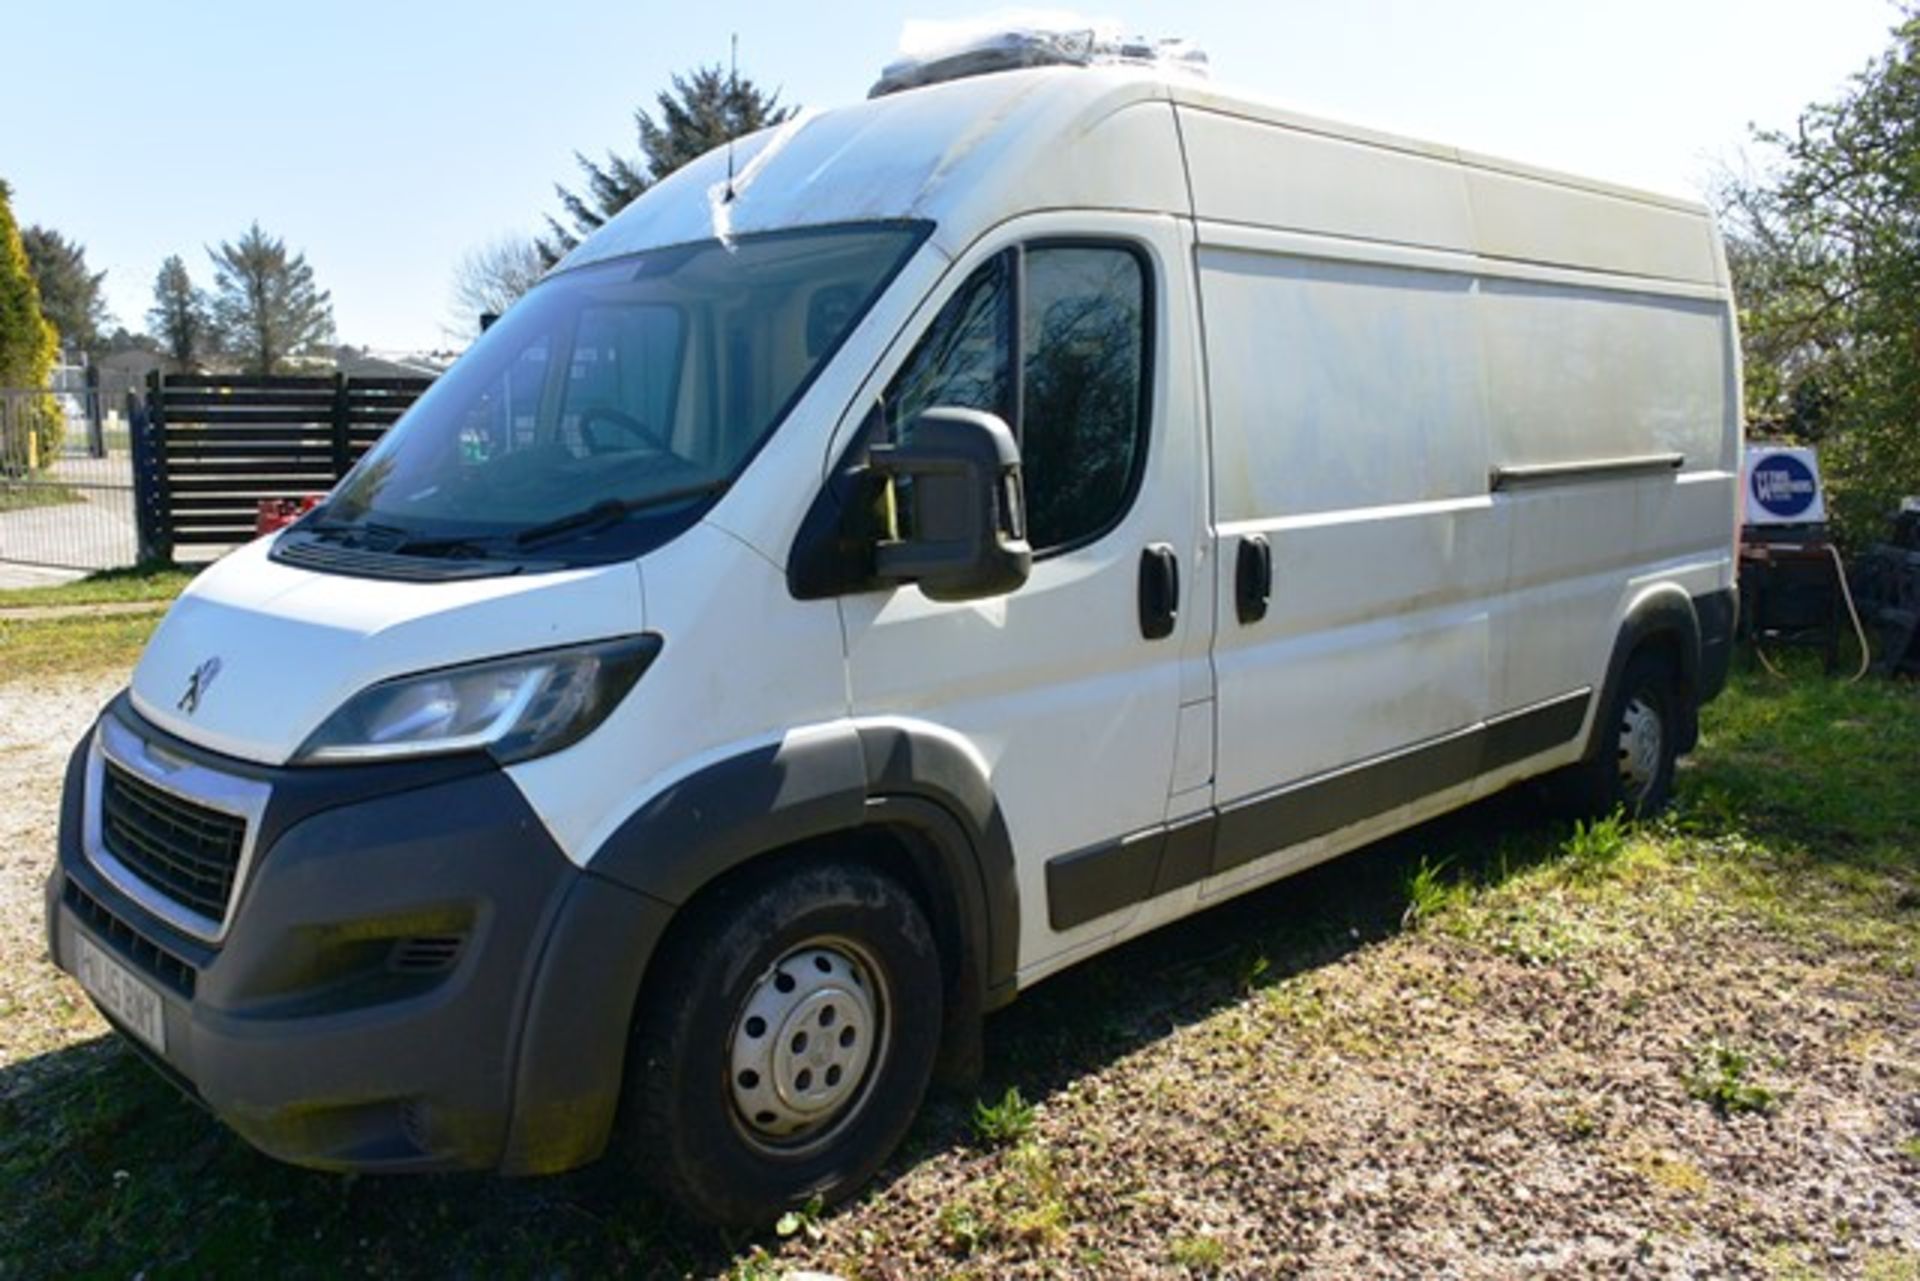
1159	591
1252	578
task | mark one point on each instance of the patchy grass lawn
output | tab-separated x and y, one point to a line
160	583
36	648
19	496
1488	1047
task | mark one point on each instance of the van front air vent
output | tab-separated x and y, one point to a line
329	557
428	954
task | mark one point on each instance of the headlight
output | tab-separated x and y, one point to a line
518	707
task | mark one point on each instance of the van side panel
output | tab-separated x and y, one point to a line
1349	429
1480	413
1247	172
1582	372
1526	219
1579	374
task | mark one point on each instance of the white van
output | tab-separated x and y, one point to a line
1010	515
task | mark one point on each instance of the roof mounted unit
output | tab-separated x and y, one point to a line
934	52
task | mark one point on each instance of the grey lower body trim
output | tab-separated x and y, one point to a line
1253	828
1090	883
1717	612
824	785
415	979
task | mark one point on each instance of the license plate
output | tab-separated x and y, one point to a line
130	1000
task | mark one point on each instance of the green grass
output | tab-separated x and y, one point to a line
1721	1075
110	587
15	496
1428	891
1200	1254
37	648
34	649
1003	1123
1595	847
1814	765
804	1221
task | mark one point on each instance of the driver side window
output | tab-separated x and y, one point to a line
964	359
1078	403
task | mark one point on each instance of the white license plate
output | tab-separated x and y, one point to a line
129	999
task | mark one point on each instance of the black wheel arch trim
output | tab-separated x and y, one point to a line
1663	613
840	779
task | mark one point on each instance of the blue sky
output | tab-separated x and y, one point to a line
385	139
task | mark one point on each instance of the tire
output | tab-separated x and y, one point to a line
1631	769
787	1045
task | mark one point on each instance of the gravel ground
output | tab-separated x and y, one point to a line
1296	1083
39	724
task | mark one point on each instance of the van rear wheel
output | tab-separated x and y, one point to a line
788	1043
1632	767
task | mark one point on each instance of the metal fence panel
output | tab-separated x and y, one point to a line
214	446
66	480
95	477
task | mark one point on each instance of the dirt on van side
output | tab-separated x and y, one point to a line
1490	1047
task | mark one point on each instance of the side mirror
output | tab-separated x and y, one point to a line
959	526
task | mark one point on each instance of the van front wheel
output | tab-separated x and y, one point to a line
787	1043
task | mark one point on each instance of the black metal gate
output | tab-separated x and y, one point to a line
66	479
210	448
93	479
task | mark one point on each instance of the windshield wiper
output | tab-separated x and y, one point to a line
610	510
354	530
450	547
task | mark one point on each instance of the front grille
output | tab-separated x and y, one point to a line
188	852
144	953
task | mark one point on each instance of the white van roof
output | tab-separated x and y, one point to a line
931	153
970	153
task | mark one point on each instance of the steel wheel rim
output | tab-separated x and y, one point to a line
1641	744
807	1044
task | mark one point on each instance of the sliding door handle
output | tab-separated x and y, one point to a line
1159	591
1252	578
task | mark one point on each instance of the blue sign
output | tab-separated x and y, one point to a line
1784	486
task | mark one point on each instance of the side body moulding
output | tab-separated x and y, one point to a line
1090	883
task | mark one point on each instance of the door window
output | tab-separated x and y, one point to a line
1079	407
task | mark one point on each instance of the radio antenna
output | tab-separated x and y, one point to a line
733	105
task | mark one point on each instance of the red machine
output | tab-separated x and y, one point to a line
278	513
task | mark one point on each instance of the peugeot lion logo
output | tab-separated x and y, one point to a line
197	685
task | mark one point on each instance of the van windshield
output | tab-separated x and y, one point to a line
604	411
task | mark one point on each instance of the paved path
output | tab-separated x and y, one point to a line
12	576
95	532
32	613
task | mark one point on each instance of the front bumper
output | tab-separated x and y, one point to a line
413	976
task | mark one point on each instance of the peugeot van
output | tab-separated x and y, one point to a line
949	536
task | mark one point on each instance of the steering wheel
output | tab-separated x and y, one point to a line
622	422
